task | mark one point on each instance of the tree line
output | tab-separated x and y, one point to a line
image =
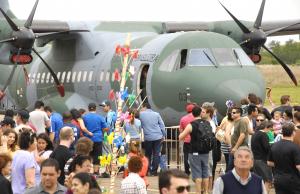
288	52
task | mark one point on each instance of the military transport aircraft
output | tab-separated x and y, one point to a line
69	64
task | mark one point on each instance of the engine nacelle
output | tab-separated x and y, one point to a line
256	58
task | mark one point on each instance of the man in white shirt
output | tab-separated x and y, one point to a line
38	118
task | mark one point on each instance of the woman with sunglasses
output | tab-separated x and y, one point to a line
25	169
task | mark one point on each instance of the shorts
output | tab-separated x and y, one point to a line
261	168
96	152
199	165
210	163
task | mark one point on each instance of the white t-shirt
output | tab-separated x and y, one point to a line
38	119
213	126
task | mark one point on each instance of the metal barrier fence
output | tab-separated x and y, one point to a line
173	148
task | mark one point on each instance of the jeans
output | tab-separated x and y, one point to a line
186	148
230	162
153	148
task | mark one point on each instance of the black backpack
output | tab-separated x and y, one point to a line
202	138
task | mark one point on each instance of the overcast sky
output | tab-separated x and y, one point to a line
156	10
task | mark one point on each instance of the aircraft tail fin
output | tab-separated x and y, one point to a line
4	4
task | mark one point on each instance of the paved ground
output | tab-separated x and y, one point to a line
153	188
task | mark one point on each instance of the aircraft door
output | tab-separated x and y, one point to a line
20	91
142	82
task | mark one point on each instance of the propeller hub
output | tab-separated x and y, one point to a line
24	38
255	39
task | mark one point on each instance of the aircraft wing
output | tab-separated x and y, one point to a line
47	31
46	26
169	27
292	29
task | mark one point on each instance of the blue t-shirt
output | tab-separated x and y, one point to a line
110	119
94	123
56	124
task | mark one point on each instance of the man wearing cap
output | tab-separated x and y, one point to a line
111	115
7	123
184	121
22	121
110	120
95	124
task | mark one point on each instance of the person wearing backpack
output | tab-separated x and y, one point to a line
202	141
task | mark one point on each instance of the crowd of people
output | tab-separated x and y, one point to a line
261	148
45	152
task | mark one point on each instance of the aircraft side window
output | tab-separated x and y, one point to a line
183	55
48	78
58	75
32	77
90	76
84	76
101	75
170	62
43	77
243	57
63	75
79	76
201	57
107	76
225	57
68	77
74	76
38	76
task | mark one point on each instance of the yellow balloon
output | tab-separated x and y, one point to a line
122	160
110	138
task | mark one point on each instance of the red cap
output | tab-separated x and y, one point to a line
189	108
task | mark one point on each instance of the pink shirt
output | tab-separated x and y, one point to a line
184	121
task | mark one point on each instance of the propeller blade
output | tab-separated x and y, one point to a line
59	86
26	75
270	32
242	26
11	23
28	22
8	81
8	40
285	67
257	23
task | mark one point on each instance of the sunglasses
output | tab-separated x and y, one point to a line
180	189
259	120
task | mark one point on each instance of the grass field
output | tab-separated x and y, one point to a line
281	84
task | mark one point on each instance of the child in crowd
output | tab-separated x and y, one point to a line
163	157
134	150
277	122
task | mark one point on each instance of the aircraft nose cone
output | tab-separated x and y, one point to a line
236	89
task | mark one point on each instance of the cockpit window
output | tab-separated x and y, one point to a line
201	57
224	56
171	62
242	57
231	57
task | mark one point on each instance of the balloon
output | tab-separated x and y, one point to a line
111	95
122	160
110	138
118	50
